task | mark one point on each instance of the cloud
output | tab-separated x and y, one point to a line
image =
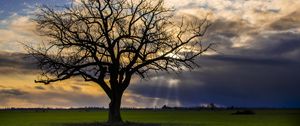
239	22
290	21
70	96
17	63
14	92
17	29
39	87
256	67
231	81
250	60
50	96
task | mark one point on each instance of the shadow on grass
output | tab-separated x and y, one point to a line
106	124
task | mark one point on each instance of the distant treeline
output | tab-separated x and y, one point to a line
165	107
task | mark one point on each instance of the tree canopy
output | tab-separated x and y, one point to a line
109	41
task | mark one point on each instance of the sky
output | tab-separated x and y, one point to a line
257	62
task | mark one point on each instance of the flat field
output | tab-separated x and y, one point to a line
162	117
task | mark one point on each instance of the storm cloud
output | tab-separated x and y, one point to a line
231	81
262	72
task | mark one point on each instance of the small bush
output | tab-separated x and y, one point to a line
244	112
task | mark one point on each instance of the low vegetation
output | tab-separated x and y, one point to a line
150	118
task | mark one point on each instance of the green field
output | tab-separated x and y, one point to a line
170	117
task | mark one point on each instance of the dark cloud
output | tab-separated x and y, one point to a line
288	22
279	45
264	74
12	92
223	32
267	11
252	60
233	83
39	87
229	28
17	63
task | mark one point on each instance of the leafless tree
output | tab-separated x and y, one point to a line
109	41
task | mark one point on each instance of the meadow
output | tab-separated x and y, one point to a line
161	117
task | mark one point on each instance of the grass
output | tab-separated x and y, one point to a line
165	118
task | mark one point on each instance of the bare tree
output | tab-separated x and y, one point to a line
109	41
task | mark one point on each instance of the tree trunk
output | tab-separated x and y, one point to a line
114	115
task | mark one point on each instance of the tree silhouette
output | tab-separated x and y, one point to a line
109	41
